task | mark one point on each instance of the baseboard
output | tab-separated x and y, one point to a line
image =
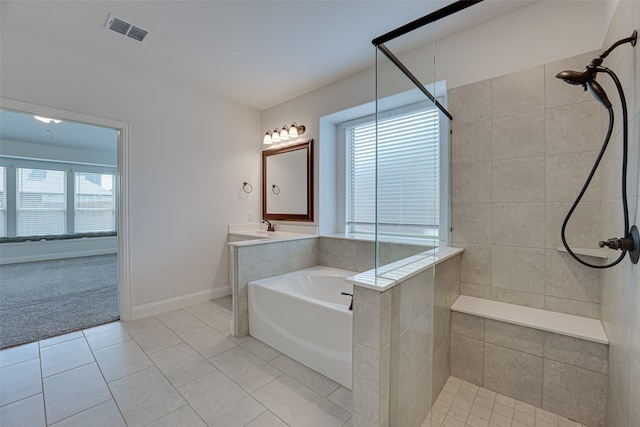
175	303
60	255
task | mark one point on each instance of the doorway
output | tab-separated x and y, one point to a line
62	198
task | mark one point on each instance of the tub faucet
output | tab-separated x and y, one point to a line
350	295
270	227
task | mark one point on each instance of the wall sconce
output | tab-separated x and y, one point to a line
283	134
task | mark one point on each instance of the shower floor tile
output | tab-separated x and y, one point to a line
462	404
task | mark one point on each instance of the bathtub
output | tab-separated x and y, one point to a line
303	315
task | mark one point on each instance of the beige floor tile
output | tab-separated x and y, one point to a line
122	359
183	417
103	415
154	337
145	396
207	341
65	355
245	369
19	381
220	321
310	378
106	335
267	419
219	401
258	348
73	391
341	397
25	412
19	354
299	406
60	339
180	321
181	364
204	309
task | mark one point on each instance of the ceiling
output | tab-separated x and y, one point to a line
22	127
256	53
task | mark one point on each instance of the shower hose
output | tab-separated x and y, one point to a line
625	206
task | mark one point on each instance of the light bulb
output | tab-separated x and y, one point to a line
267	138
284	133
293	130
275	135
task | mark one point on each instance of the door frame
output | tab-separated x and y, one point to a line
124	290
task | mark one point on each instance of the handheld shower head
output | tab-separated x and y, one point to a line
587	79
578	78
598	93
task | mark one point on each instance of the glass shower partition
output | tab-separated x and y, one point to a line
412	223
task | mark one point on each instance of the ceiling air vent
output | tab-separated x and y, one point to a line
123	27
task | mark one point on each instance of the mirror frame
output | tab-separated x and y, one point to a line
308	146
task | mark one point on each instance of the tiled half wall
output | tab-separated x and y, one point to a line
564	375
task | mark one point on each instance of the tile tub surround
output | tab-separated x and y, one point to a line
559	373
401	337
260	259
522	145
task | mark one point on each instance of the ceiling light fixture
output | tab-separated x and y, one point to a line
284	134
47	120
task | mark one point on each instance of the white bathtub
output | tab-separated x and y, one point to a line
303	315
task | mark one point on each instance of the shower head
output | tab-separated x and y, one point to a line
576	77
598	93
587	79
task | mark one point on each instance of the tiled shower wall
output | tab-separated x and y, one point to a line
621	284
522	145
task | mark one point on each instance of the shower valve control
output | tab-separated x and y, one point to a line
617	243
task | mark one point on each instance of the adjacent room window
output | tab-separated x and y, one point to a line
3	202
46	198
94	205
41	202
408	173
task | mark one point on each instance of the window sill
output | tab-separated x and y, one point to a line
57	237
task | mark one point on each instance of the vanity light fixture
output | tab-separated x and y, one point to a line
267	138
47	120
284	134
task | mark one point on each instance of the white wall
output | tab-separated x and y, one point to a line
189	153
544	32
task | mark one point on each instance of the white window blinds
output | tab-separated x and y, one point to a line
3	202
93	202
408	174
41	202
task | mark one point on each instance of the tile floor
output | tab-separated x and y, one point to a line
176	369
462	404
183	369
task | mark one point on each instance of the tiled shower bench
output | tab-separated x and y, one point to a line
551	360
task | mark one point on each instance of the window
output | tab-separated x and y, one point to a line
408	173
3	202
93	202
50	198
41	202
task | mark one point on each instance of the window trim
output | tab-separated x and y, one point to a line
445	141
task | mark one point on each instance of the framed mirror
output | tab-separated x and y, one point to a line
287	183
